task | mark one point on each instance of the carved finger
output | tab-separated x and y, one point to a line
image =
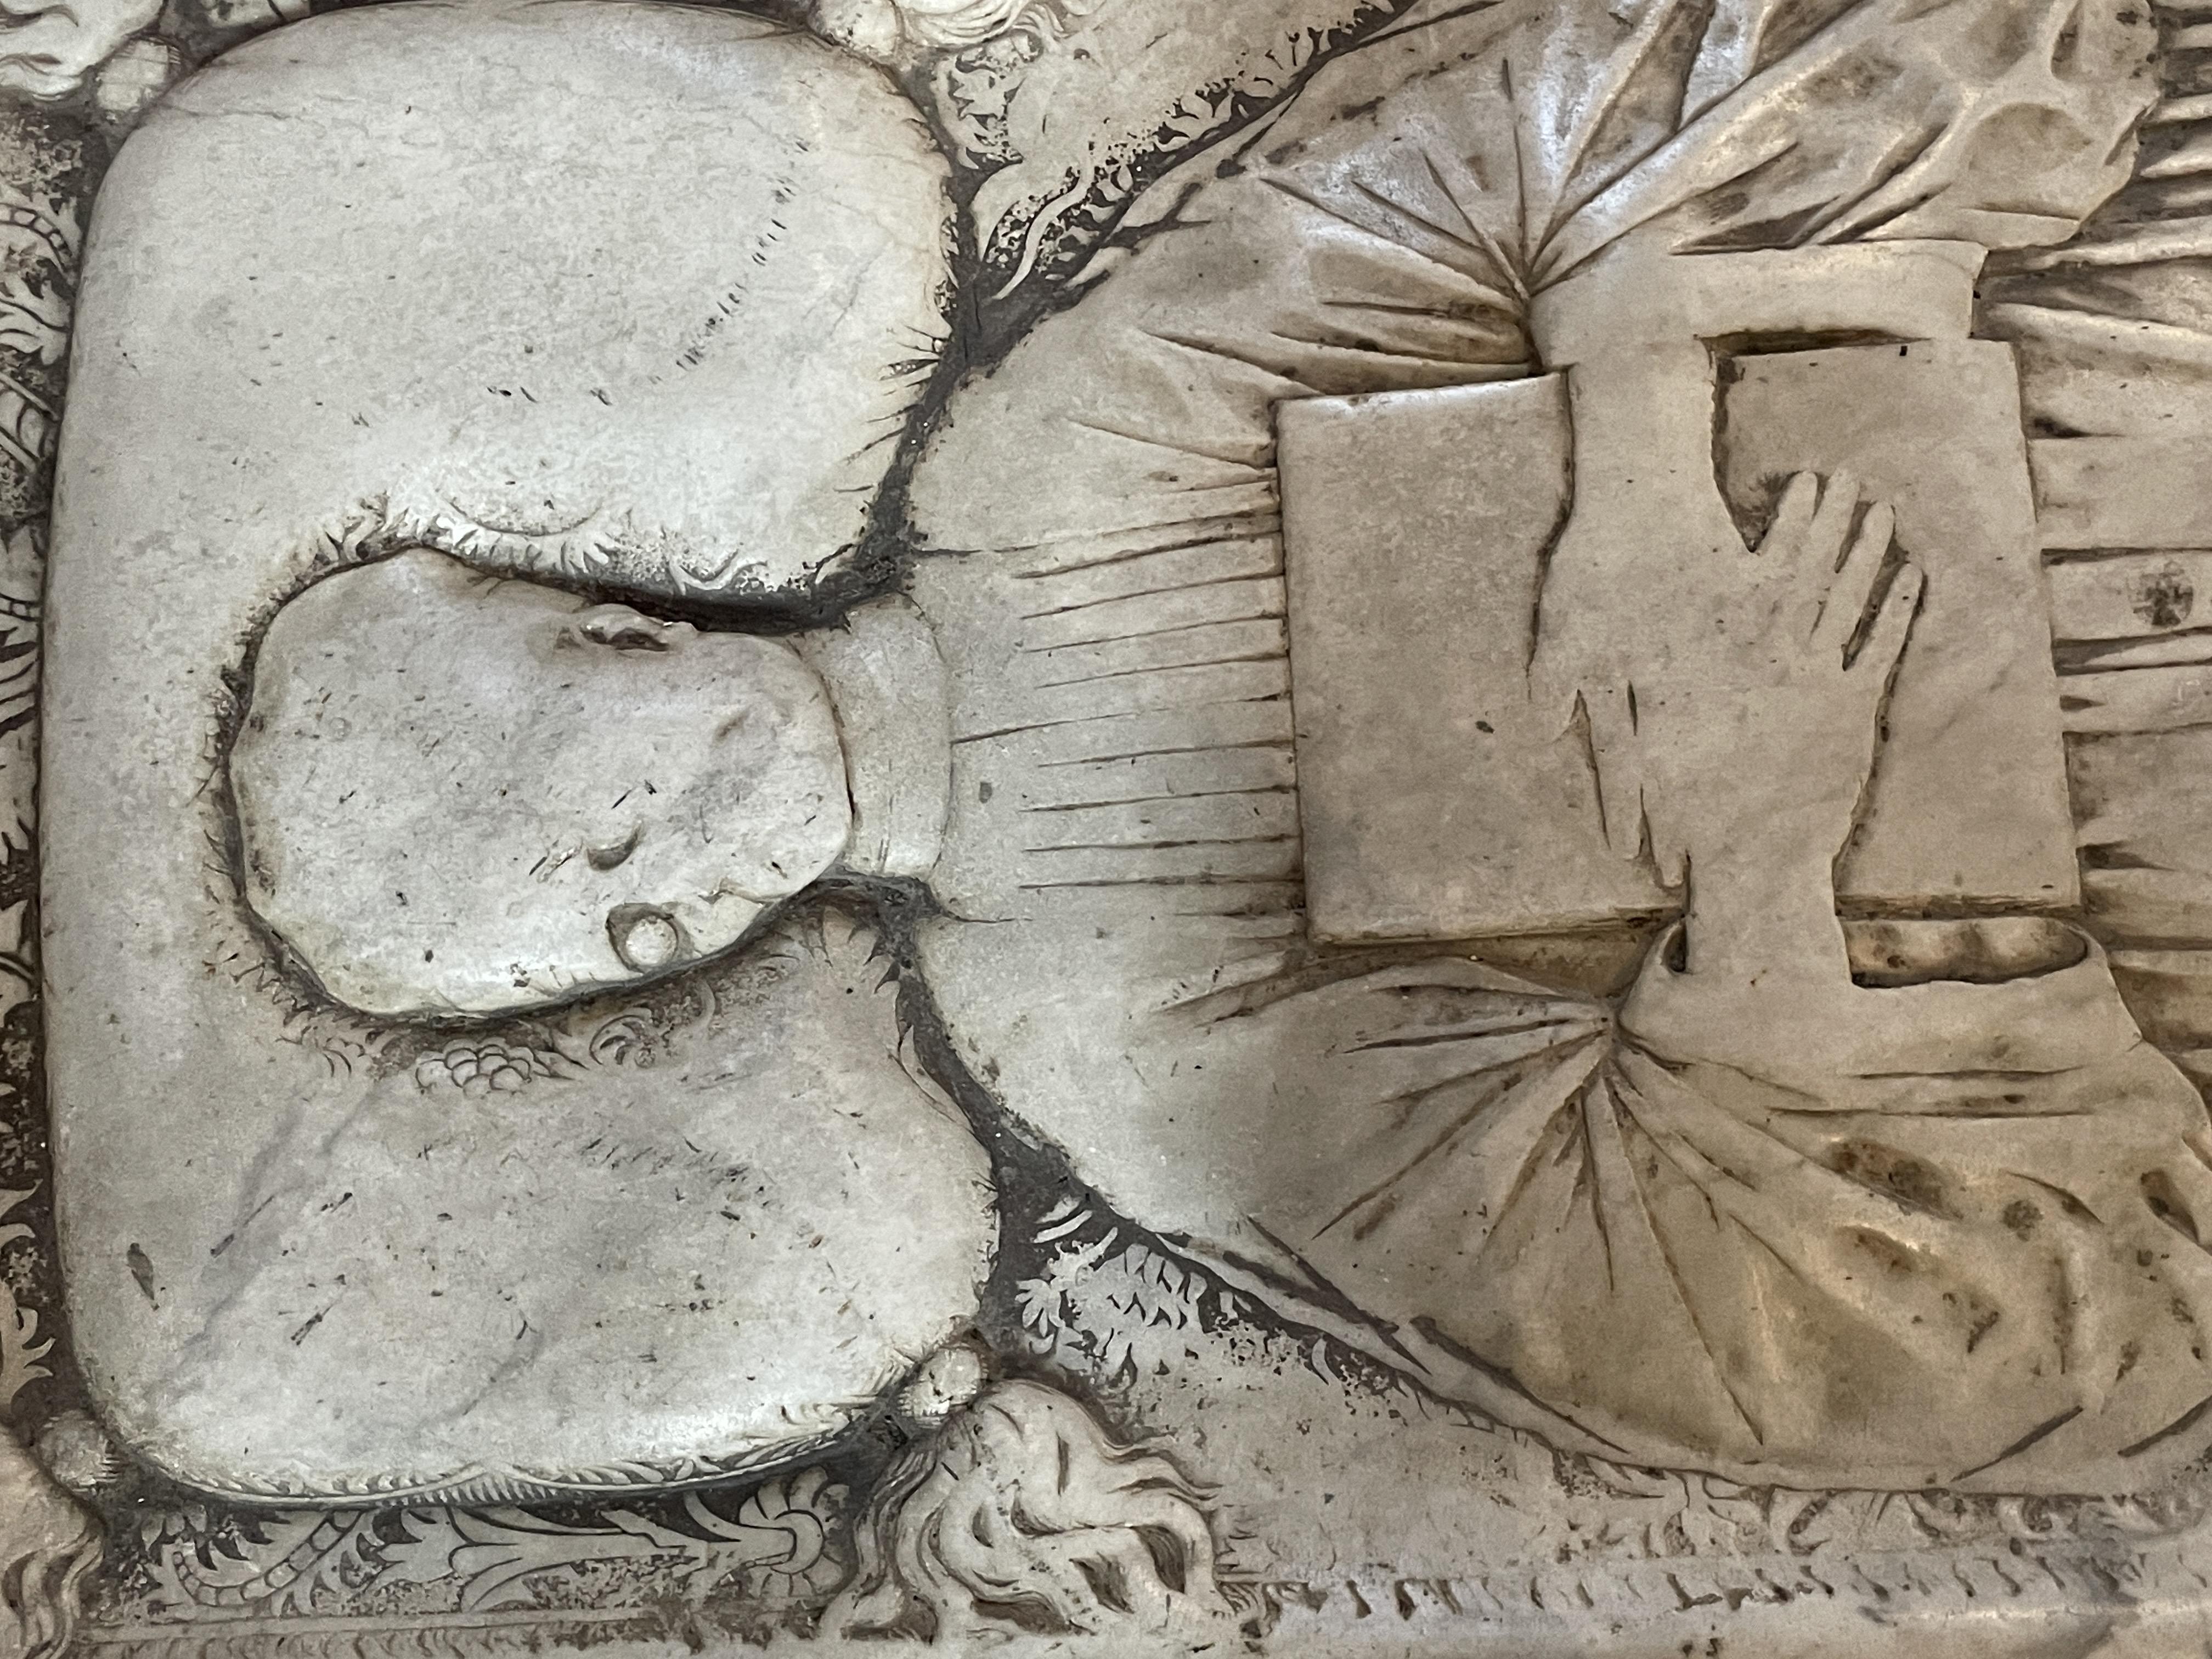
1617	758
1670	845
1830	529
1793	515
1855	584
1886	641
1671	835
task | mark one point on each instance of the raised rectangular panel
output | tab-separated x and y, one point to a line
1439	802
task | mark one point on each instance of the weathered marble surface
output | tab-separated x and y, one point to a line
1338	826
444	1237
592	796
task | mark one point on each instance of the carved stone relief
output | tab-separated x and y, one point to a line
1086	826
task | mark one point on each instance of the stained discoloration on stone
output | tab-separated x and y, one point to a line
1080	1161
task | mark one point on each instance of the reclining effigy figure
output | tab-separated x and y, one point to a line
524	654
456	331
1915	1205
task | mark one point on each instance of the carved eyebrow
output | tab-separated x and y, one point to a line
579	552
599	549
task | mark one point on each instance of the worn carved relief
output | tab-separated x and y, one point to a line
1311	826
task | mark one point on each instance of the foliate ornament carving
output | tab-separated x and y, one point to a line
1020	1513
776	1546
49	1543
50	1546
1094	823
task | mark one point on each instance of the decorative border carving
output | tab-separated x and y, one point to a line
1085	1296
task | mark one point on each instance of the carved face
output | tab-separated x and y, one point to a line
461	796
526	347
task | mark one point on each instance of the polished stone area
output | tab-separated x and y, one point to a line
1088	827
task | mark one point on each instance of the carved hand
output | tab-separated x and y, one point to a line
1758	727
1632	571
1648	546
